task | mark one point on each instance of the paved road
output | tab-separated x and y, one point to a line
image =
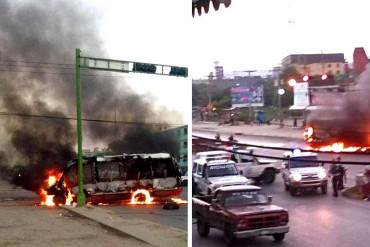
174	218
315	219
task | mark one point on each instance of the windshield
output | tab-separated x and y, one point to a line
221	170
297	162
245	198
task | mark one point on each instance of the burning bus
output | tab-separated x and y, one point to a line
110	178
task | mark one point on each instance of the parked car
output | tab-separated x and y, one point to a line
303	171
241	211
210	175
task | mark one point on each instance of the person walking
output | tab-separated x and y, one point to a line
334	172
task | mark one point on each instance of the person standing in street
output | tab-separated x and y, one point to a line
342	175
334	172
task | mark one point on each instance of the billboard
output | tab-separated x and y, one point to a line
301	96
245	96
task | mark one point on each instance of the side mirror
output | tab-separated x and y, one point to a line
269	199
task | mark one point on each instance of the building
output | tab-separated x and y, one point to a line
316	64
360	60
181	135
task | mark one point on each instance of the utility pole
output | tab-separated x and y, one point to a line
81	195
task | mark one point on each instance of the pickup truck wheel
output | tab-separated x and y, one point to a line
229	236
278	237
293	191
268	176
286	187
202	227
324	189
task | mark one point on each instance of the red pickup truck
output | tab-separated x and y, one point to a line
241	211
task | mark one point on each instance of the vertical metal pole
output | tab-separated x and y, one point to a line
81	195
279	104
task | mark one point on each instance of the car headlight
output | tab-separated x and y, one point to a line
296	177
321	174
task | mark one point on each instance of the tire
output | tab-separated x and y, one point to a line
268	176
229	236
286	187
202	227
324	189
279	237
293	191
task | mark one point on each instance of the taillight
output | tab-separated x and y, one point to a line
242	224
284	218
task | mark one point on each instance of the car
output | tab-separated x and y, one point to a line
301	171
240	211
261	170
208	175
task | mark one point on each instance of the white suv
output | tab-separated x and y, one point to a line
210	175
303	171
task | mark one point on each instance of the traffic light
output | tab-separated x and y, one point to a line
144	67
204	4
179	71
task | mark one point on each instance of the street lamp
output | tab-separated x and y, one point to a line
281	92
292	82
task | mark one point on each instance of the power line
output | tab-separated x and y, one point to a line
15	114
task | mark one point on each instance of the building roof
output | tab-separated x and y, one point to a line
315	58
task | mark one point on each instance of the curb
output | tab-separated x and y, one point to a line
146	231
353	193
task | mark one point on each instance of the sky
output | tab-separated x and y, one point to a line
258	34
152	32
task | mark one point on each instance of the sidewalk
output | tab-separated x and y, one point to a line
251	130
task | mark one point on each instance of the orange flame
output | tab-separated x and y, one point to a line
340	147
48	200
135	199
52	180
179	200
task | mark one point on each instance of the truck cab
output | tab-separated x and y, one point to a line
240	211
208	175
302	171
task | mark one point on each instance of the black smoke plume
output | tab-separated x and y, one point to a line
49	31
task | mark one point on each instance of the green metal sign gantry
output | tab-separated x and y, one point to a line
115	66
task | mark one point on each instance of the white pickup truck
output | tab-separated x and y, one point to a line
260	170
213	174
